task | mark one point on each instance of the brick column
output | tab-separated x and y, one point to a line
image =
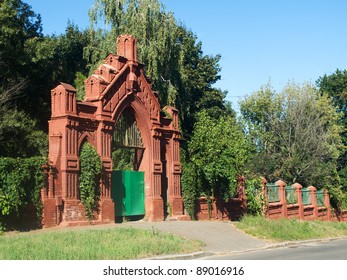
282	195
155	203
174	184
298	192
313	197
327	204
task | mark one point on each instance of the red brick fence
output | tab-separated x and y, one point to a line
282	201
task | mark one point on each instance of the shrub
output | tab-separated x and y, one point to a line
21	181
256	202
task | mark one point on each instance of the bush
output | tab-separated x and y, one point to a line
255	197
21	181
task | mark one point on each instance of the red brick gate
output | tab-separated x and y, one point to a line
118	85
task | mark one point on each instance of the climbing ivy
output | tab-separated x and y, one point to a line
256	202
90	174
189	188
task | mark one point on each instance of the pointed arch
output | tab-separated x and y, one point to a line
86	136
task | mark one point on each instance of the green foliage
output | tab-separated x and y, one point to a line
190	187
256	202
79	83
296	134
20	136
218	151
174	60
291	196
37	62
18	24
335	86
21	181
123	159
89	179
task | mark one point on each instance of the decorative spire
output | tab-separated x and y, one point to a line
126	47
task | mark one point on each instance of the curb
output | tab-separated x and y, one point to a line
202	254
190	256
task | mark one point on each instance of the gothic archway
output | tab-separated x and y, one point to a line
118	93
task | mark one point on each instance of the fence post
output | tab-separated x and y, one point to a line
282	195
298	192
313	190
327	204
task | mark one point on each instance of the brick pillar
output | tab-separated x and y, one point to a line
49	211
104	139
174	183
282	195
313	197
155	205
327	204
298	192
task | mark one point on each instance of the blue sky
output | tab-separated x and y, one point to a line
259	41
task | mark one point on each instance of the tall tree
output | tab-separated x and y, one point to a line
216	156
218	151
18	24
335	86
296	133
174	60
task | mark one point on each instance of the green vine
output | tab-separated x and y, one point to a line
189	188
256	202
90	174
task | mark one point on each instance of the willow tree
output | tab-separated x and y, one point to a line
174	60
153	28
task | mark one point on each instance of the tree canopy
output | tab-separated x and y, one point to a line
297	135
174	60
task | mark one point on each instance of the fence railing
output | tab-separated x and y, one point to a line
272	193
291	195
306	196
294	201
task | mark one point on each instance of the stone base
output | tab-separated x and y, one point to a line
154	210
49	213
176	204
107	211
178	218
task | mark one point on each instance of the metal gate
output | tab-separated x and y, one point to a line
128	193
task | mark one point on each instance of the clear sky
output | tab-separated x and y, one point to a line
259	41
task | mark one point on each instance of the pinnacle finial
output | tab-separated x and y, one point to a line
126	47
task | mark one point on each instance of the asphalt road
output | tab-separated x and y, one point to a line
332	250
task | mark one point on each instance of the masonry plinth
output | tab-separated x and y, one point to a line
117	91
155	211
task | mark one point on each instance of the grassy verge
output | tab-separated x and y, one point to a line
286	230
92	244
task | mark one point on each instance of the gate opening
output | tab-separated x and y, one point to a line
127	181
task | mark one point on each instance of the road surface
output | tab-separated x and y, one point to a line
332	250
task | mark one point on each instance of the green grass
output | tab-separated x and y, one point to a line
287	230
92	244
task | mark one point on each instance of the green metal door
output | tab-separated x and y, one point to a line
128	193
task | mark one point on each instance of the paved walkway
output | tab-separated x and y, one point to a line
219	237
